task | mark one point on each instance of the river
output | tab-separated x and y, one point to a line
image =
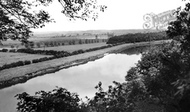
80	79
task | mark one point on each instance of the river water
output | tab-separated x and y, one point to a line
80	79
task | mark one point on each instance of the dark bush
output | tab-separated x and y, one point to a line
42	59
78	52
27	62
35	61
20	63
12	50
12	65
4	50
50	58
45	52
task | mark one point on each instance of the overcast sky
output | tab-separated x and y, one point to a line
120	14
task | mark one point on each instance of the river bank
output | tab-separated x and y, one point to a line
22	74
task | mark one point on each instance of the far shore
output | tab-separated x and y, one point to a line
12	76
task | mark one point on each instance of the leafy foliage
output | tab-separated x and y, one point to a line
161	77
17	17
57	100
82	9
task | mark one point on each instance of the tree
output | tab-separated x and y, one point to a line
29	44
115	99
17	17
179	30
38	45
164	72
80	41
57	100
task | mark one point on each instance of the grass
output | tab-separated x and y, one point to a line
7	58
67	37
42	41
9	43
71	48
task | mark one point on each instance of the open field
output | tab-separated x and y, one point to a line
51	42
68	37
9	43
7	57
65	36
71	48
90	32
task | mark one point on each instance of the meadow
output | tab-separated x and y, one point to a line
7	57
11	58
71	48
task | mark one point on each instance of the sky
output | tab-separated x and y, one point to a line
120	14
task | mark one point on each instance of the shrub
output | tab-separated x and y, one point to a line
12	50
11	65
20	63
78	52
35	61
4	50
27	62
45	52
57	100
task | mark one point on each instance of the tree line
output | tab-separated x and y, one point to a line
62	43
138	37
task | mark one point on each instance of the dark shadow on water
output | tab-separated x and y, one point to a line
137	49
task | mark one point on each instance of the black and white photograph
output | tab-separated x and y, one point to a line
94	55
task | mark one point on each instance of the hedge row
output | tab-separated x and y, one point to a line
67	42
57	55
138	37
45	52
6	50
15	64
42	59
31	51
26	62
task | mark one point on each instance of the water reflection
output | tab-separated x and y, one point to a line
135	50
81	79
139	49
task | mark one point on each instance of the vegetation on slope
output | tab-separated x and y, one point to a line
137	37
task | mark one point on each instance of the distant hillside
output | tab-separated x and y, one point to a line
90	32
